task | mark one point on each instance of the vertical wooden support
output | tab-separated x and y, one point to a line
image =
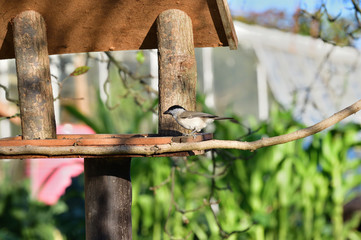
33	71
108	198
177	67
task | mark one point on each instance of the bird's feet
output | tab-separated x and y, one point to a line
193	134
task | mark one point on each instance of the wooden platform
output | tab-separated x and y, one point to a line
69	141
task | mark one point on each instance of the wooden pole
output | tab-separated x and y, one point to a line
177	67
33	72
108	198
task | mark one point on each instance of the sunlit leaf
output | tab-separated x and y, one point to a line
80	116
80	70
140	57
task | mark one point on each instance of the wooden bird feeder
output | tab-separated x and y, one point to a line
30	30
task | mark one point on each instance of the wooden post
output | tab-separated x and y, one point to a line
177	67
108	198
33	71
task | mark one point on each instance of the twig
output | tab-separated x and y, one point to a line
224	234
125	70
10	117
155	188
356	6
172	203
124	74
7	95
318	73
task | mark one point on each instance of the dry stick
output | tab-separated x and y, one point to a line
177	147
7	95
356	6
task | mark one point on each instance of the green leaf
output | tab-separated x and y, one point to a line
76	113
80	70
140	57
104	116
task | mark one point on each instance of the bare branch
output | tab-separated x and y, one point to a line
125	70
356	6
223	233
155	188
13	118
125	74
172	203
7	95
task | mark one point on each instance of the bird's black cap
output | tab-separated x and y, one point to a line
172	108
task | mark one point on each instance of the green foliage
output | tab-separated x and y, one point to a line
71	220
126	109
291	191
22	217
102	124
322	176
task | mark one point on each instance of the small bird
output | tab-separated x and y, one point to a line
194	121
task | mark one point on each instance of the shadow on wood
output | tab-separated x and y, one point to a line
108	198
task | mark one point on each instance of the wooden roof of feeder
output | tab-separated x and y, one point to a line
93	25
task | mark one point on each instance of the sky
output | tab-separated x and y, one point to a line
240	6
334	8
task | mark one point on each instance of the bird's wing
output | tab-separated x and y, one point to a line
190	114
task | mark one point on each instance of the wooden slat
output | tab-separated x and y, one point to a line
86	142
34	156
103	140
227	23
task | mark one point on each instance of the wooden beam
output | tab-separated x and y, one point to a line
108	198
33	71
177	67
227	23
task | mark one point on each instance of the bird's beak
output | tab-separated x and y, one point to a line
166	112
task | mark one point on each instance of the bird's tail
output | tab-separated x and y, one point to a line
227	118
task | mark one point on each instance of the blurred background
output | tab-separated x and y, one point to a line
297	63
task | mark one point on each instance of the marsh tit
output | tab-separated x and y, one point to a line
194	121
